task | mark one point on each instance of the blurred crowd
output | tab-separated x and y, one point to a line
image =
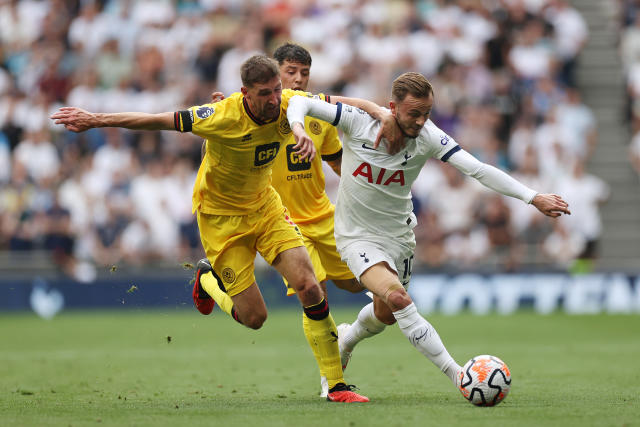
504	74
629	44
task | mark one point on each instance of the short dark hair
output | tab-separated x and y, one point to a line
411	83
258	69
293	53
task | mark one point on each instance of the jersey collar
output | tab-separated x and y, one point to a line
252	116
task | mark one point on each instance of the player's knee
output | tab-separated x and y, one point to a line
309	292
254	320
398	298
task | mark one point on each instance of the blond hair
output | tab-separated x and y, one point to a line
411	83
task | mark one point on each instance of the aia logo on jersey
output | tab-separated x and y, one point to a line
294	162
265	153
384	177
204	112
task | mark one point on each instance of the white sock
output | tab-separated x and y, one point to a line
425	338
365	326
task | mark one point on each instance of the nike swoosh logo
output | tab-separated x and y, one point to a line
417	339
366	147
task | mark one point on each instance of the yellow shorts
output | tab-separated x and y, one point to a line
321	245
230	242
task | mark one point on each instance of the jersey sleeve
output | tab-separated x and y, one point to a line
491	177
331	145
347	118
200	120
352	120
442	145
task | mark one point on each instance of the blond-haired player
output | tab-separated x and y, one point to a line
374	219
238	210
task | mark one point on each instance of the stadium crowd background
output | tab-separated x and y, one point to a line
505	89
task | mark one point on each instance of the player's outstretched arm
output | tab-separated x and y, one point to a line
389	129
551	205
79	120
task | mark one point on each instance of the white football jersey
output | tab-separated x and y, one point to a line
374	196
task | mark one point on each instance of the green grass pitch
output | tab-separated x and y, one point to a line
121	368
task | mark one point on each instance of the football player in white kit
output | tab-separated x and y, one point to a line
374	217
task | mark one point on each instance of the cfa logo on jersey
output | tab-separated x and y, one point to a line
294	162
382	178
204	112
265	153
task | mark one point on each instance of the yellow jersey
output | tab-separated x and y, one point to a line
235	175
300	183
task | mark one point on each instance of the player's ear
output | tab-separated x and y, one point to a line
392	107
244	90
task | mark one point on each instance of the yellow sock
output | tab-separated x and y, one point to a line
306	327
322	334
210	285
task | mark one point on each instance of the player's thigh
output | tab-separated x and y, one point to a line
250	304
349	285
295	266
325	246
363	255
318	269
380	279
327	263
229	243
276	233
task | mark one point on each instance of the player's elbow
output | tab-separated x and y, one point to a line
476	173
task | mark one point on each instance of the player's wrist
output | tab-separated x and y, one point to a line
297	126
532	199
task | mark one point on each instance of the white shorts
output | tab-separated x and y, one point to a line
360	255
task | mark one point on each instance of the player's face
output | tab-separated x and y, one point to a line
294	75
412	113
264	99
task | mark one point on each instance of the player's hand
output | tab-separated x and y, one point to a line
217	97
551	205
304	144
391	132
75	119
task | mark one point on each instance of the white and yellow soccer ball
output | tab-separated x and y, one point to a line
484	380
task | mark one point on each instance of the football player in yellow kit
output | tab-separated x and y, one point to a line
301	184
238	210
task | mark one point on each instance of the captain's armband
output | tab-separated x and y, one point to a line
183	120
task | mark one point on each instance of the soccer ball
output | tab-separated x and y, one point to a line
484	380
